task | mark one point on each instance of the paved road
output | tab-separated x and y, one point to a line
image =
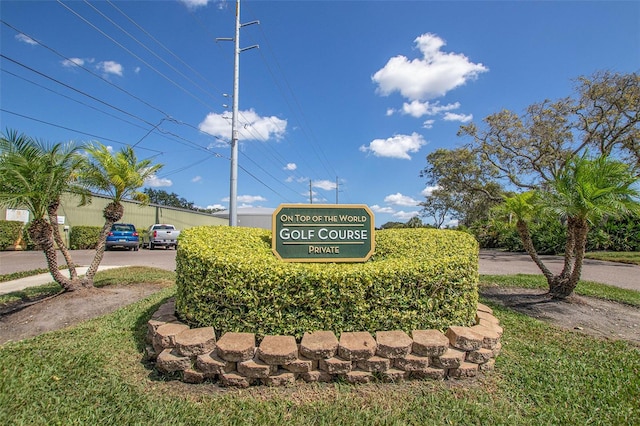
491	263
612	273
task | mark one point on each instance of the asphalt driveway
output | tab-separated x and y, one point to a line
491	263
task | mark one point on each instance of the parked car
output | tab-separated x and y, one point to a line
161	235
123	235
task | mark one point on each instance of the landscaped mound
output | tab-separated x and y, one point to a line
418	279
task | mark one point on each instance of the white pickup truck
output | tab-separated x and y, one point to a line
161	234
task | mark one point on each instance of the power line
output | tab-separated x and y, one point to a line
147	48
164	47
73	88
133	54
73	130
123	111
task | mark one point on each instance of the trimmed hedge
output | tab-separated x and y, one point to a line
10	231
84	237
229	278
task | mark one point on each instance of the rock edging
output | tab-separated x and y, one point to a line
358	357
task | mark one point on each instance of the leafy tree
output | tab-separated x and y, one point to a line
439	205
465	188
530	151
34	175
543	148
414	222
159	196
119	176
584	191
392	225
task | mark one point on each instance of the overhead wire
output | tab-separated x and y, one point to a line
159	43
74	130
148	49
136	56
133	54
249	129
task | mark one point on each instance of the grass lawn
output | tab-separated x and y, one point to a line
632	257
128	275
93	374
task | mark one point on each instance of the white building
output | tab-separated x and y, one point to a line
251	217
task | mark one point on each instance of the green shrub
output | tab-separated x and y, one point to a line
84	237
420	278
10	233
549	235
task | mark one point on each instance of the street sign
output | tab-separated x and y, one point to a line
323	233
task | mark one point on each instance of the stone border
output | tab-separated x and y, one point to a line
234	359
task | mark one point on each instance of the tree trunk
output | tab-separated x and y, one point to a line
569	249
53	220
527	243
563	287
41	233
112	213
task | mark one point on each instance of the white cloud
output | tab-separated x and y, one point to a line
463	118
252	126
398	146
429	77
247	199
297	179
196	179
26	39
400	200
73	62
291	166
327	185
382	210
429	190
110	67
418	108
156	182
402	215
136	70
194	4
217	207
428	124
390	112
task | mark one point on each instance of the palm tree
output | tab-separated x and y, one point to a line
584	191
34	175
118	175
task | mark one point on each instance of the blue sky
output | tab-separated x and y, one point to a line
356	93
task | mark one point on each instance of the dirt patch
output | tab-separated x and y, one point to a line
586	315
67	309
592	316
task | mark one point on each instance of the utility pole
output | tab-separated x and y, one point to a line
336	189
233	191
310	192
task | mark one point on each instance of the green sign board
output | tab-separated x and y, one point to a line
323	233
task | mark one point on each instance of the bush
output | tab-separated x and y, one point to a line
421	278
549	235
10	233
84	237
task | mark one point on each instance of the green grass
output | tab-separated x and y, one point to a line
93	374
632	257
584	288
24	274
126	275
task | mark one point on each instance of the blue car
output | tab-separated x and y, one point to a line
123	235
